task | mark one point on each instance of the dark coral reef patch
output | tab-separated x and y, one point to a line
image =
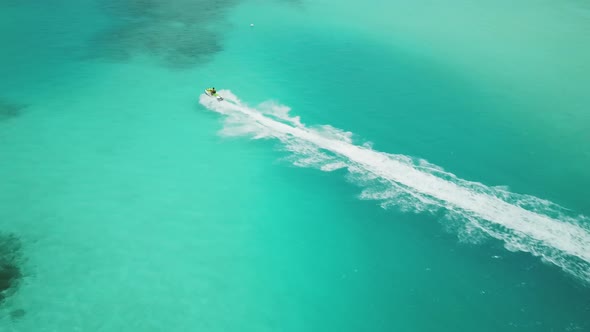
10	110
10	265
177	33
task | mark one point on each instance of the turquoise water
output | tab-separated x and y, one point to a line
314	197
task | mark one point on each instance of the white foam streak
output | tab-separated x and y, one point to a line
523	222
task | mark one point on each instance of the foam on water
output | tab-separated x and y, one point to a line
522	222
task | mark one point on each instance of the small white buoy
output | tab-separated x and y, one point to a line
251	24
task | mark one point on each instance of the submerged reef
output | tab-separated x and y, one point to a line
17	314
9	110
10	265
178	34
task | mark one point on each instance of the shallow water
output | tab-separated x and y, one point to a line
137	205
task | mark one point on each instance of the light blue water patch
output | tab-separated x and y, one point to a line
413	104
116	194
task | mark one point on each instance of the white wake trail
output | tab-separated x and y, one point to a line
523	222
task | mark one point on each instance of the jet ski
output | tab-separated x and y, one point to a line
210	93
